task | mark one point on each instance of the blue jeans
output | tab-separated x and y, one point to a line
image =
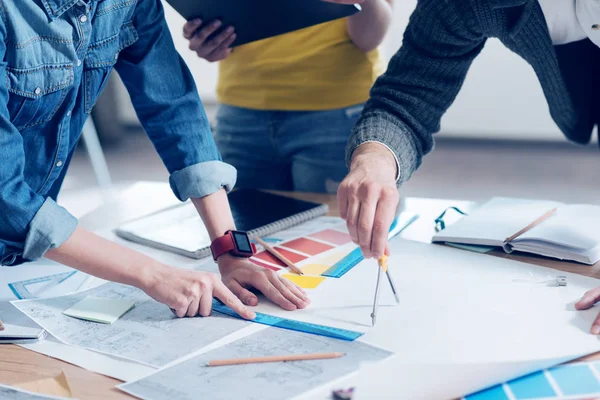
286	150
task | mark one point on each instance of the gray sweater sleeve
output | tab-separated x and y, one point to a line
422	80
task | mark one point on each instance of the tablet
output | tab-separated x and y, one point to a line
260	19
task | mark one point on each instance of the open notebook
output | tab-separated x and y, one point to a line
571	233
18	327
180	229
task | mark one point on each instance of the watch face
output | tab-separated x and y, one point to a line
242	242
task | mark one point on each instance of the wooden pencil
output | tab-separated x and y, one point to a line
279	256
270	359
531	225
2	326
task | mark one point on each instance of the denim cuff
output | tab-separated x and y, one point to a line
203	179
381	128
50	228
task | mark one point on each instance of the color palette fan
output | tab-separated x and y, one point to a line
571	381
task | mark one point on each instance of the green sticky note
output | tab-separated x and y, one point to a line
104	311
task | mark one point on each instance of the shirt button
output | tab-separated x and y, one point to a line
37	90
69	113
596	27
117	56
79	63
59	164
83	19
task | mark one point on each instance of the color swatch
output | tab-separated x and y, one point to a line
293	257
332	236
305	281
307	246
571	381
315	269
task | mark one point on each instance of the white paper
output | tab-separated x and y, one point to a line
90	360
149	333
193	379
395	379
13	393
463	307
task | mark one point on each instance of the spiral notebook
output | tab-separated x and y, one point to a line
180	229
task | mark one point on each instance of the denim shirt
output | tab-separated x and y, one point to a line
57	56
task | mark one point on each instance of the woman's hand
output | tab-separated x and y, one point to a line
587	301
190	293
240	276
214	49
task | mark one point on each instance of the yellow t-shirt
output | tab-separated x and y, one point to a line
317	68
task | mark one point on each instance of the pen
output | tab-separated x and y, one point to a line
279	256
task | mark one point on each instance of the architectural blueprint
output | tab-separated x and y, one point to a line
193	379
148	334
11	393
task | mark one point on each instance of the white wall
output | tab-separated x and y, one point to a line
501	97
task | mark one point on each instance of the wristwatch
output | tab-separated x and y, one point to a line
236	243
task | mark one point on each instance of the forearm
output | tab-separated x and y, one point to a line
215	212
367	29
104	259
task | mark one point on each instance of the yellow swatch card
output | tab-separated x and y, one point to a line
104	311
304	281
315	269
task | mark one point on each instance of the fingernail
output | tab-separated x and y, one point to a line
595	329
216	23
230	29
197	21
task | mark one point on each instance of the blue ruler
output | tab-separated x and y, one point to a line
20	288
298	326
341	267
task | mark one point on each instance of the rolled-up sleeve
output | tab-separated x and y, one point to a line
30	224
167	103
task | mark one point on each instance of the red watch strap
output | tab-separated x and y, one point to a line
222	245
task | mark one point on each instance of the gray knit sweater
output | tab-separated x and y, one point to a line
440	43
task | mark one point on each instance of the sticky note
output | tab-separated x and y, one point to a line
104	311
575	380
533	386
305	282
315	269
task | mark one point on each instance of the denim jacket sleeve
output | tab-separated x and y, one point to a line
166	100
29	223
422	80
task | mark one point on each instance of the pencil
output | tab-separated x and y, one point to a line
279	256
270	359
2	326
531	225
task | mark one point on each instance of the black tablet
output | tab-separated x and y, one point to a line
260	19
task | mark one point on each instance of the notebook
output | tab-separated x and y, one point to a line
18	327
571	233
260	19
180	229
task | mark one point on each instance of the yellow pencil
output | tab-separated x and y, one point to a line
269	359
279	256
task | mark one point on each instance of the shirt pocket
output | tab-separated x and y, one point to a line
37	93
100	60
